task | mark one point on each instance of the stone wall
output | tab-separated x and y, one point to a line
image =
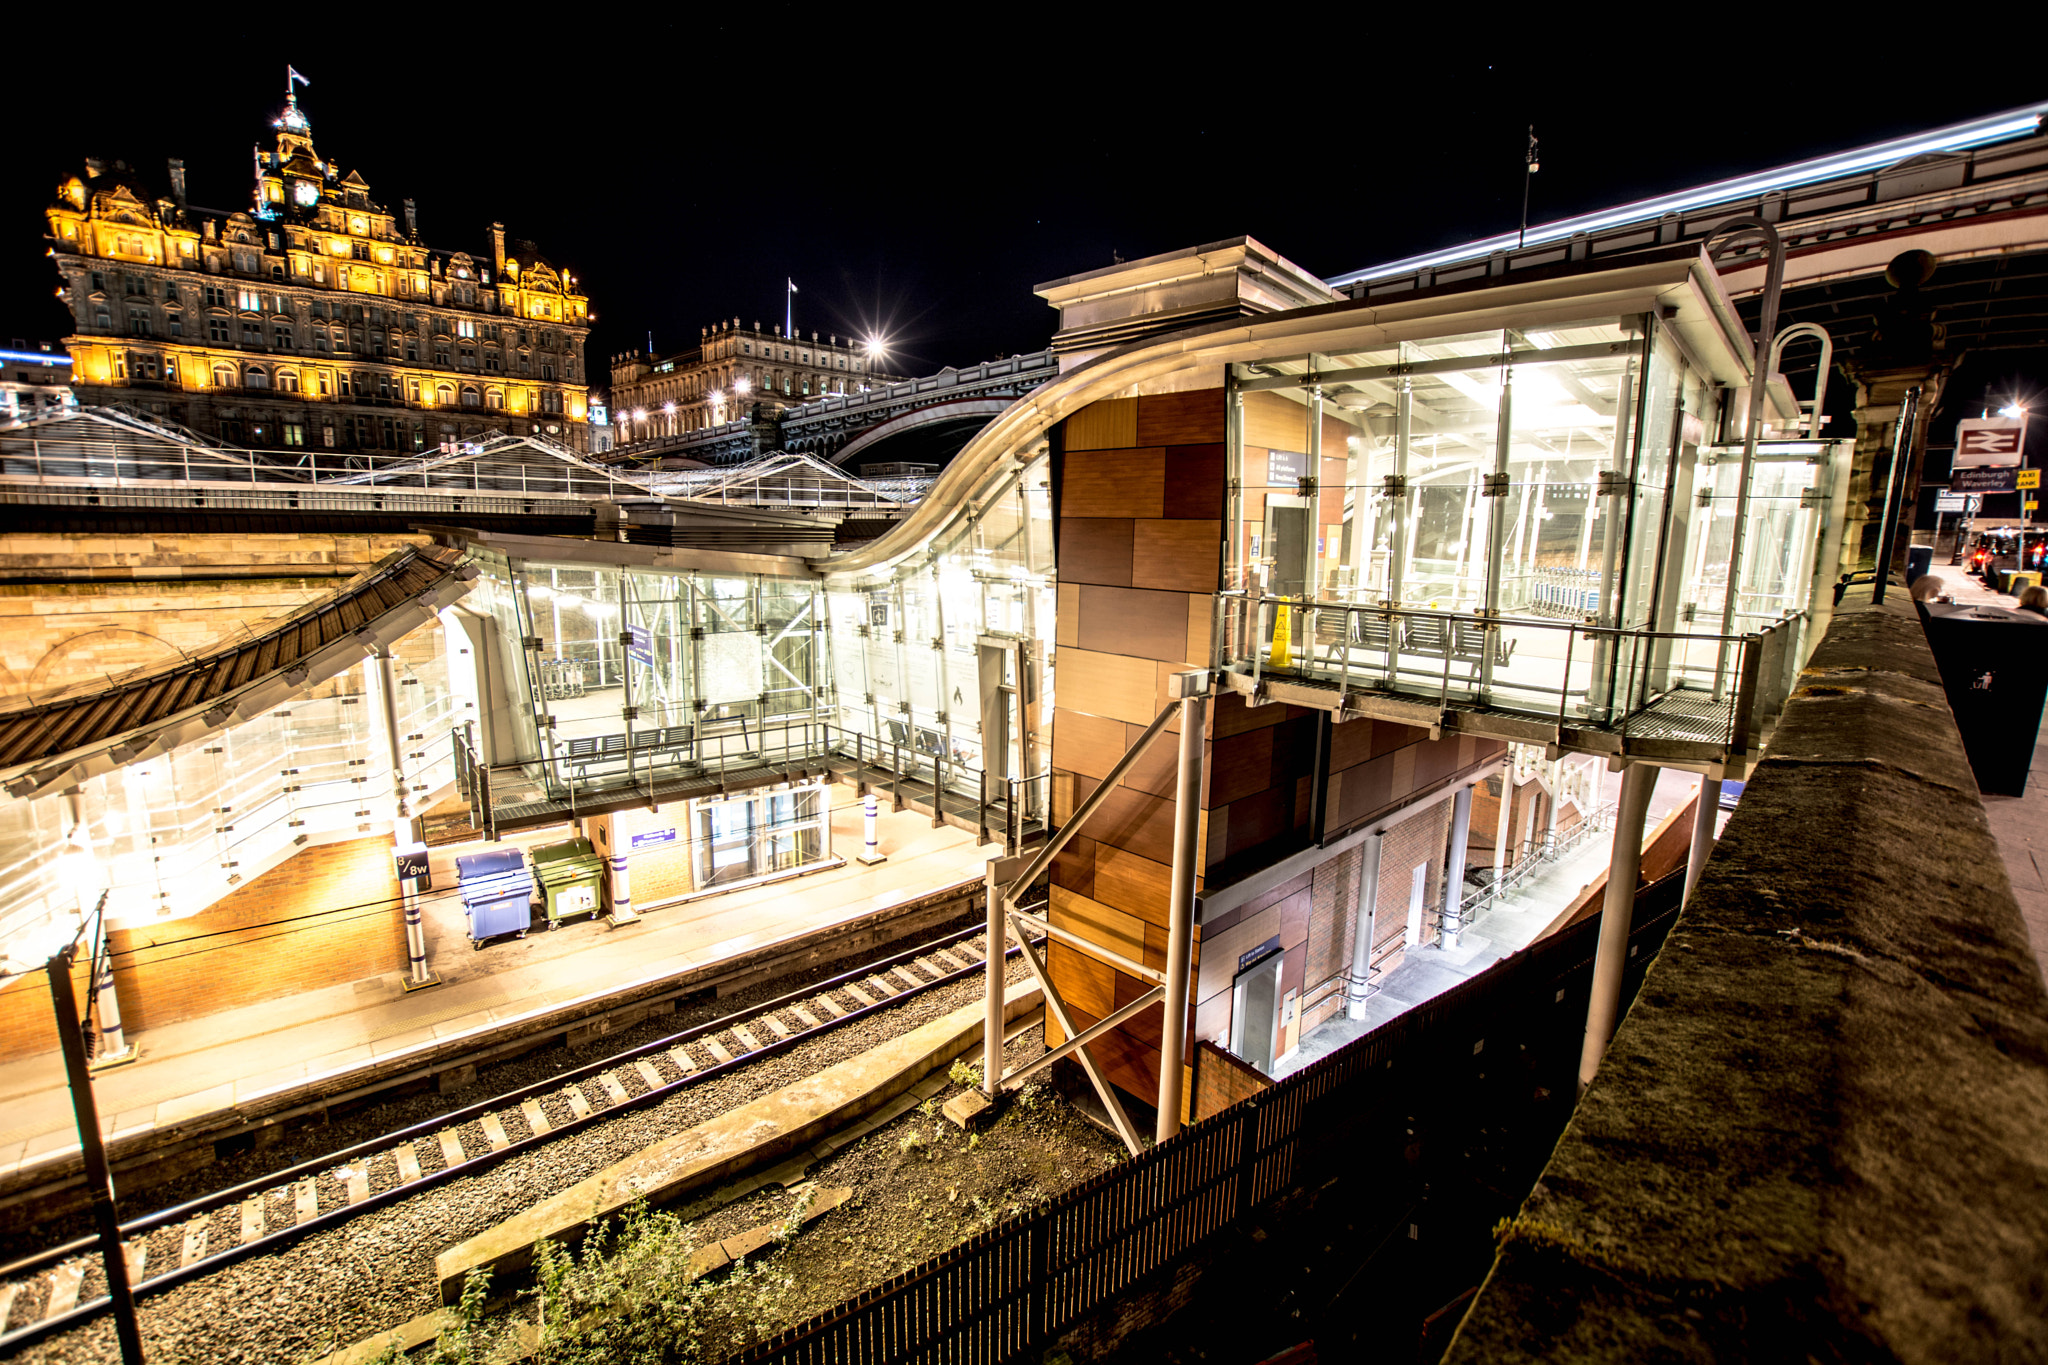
1817	1135
76	608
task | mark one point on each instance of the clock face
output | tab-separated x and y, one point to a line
305	192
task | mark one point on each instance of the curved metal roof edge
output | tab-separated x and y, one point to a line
1954	137
1673	276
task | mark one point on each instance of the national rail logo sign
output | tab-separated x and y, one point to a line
1989	441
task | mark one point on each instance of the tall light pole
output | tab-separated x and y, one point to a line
1529	159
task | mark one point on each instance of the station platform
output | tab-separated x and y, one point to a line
207	1075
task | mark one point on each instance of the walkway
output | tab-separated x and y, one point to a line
2018	823
229	1059
1507	928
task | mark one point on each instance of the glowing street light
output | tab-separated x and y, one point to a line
742	385
2013	410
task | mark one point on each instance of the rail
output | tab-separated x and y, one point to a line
941	961
1535	853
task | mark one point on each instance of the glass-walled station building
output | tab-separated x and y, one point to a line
1411	542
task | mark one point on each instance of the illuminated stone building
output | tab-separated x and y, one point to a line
314	319
733	374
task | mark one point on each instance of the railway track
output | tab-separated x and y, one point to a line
63	1287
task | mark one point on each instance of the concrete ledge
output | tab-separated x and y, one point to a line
54	1182
760	1131
1819	1133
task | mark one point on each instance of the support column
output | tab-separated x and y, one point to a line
113	1047
1180	912
405	831
1507	802
1624	867
1454	866
1702	832
997	875
1361	942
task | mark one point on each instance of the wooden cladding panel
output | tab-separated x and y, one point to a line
1188	418
1274	422
1133	884
1111	424
1107	685
1201	628
1067	629
1157	771
1085	744
1097	550
1181	556
1194	482
1145	623
1135	822
1240	765
1119	483
1085	983
1118	931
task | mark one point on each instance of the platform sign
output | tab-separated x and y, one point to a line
651	838
2028	478
410	860
1984	479
1982	441
640	644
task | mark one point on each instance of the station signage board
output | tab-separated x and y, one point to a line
654	838
410	861
1984	479
1989	441
640	644
2028	478
1964	503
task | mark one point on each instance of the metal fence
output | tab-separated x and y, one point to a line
1022	1283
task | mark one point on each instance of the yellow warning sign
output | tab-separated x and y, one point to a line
2028	478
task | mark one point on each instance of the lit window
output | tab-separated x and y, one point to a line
223	376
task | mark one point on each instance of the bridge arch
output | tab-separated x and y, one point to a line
963	413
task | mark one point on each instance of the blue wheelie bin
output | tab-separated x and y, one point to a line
497	894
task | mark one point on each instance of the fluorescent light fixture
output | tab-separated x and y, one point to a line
1956	137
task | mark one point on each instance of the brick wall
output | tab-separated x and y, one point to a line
27	1024
327	916
1221	1080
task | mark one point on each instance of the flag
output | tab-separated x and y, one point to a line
292	74
791	283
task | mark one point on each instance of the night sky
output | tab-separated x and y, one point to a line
918	175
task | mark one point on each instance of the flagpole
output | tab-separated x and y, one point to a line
788	306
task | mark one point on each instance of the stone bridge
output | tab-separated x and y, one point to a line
920	421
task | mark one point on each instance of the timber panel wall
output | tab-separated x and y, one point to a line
1139	497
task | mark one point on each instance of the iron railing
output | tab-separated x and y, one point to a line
657	761
1706	688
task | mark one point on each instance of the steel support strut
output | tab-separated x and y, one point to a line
1624	868
99	1178
1180	912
